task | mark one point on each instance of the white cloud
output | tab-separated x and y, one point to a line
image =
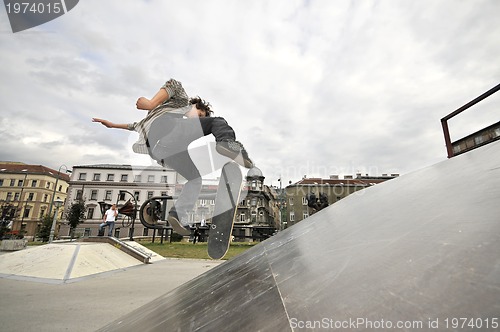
311	87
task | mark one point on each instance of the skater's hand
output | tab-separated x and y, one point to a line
144	104
105	123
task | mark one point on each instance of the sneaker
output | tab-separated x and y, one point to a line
173	220
234	150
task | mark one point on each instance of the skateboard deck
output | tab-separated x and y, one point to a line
226	205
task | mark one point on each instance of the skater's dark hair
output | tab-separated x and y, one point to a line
201	105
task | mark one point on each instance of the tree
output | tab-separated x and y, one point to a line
7	212
44	232
76	215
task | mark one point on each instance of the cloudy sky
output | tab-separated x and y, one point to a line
313	87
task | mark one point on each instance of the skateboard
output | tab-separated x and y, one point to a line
226	205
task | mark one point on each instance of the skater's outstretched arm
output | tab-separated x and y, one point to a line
145	104
110	124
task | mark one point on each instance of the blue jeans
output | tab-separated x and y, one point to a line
111	225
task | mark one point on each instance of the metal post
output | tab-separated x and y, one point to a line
55	187
447	139
58	204
21	198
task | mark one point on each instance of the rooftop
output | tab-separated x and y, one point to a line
21	168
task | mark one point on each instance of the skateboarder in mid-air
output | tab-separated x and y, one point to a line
173	122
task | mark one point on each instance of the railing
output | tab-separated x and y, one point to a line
480	138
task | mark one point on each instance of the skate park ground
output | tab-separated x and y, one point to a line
40	292
419	249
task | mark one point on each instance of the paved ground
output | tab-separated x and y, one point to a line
42	302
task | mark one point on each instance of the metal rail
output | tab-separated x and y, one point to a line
444	121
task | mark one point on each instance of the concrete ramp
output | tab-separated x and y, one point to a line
418	252
66	262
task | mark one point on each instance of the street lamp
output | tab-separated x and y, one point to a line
25	171
58	203
55	186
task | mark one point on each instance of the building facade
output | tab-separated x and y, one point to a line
116	184
335	188
257	216
26	195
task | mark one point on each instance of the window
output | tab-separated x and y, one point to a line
137	178
304	200
305	215
150	194
163	193
151	178
82	176
124	178
26	212
45	197
34	183
137	195
12	183
20	183
164	179
90	213
292	216
108	195
9	196
97	177
291	200
242	216
93	195
42	213
1	182
111	177
79	194
31	196
60	188
16	196
243	203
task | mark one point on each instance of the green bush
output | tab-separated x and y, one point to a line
176	237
